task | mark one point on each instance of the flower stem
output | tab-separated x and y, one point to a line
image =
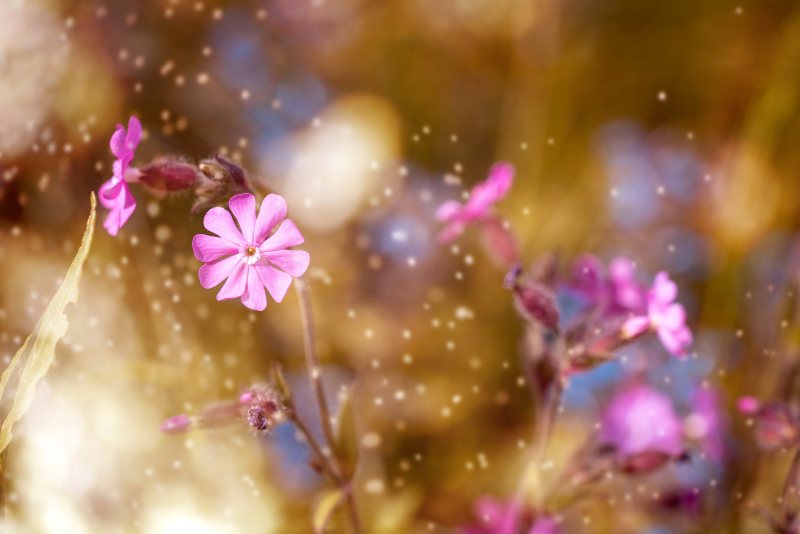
315	376
790	484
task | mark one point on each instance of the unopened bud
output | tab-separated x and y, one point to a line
168	176
176	424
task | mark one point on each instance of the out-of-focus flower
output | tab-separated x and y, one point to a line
748	405
776	423
250	257
664	315
499	517
616	292
259	406
706	424
642	429
115	195
483	196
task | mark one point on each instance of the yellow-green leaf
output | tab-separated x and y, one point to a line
324	507
34	358
346	435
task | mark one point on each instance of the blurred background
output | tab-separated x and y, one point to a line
666	131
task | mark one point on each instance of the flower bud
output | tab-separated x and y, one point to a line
176	424
537	303
168	176
218	180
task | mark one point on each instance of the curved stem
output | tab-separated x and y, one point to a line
315	376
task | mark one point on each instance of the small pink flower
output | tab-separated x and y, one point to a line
664	315
483	196
114	194
252	256
626	292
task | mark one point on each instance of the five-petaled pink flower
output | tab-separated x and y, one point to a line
252	256
115	195
664	315
457	216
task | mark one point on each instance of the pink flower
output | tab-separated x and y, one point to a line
618	291
626	292
252	256
640	419
483	196
748	405
115	195
664	315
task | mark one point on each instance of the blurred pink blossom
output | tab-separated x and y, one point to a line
617	291
253	256
483	196
748	405
664	315
114	194
641	421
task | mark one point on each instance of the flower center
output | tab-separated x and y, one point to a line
251	255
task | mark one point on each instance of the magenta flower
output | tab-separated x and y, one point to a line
615	292
252	256
114	194
483	196
664	315
641	420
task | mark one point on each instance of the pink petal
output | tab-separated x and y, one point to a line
213	273
287	235
748	405
273	210
673	317
622	270
109	192
451	231
483	195
447	210
134	134
117	142
635	326
243	207
664	291
219	221
254	297
675	341
277	282
234	286
292	262
210	248
121	210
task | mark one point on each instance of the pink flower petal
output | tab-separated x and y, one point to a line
234	286
243	207
277	282
483	195
664	291
210	248
287	235
676	341
117	142
254	297
673	317
451	231
213	273
134	134
109	192
292	262
635	326
219	221
273	210
447	210
748	405
121	210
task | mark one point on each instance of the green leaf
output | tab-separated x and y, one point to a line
36	355
345	430
325	505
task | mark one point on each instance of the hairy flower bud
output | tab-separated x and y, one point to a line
169	176
218	180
